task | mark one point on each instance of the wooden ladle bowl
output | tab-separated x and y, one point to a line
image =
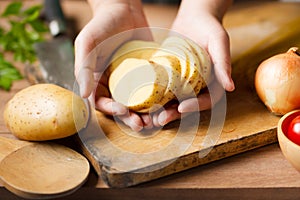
43	170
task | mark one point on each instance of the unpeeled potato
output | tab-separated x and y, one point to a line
45	112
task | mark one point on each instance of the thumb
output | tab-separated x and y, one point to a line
219	51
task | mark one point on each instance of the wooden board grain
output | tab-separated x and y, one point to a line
124	158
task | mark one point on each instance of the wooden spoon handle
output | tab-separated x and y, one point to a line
8	145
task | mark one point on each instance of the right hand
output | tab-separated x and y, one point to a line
109	18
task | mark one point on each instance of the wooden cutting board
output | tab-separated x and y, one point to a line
240	122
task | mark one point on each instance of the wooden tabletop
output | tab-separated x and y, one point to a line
258	174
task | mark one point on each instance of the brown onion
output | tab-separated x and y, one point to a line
277	82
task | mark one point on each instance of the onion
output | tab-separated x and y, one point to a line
277	82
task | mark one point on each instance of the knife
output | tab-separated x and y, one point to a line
56	56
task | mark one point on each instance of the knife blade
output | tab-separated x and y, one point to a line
56	56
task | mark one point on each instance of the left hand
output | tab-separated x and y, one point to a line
208	32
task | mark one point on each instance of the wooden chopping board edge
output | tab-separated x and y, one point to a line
118	179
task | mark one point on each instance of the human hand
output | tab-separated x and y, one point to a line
93	34
109	18
202	22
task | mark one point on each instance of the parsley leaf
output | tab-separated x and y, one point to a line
12	9
8	73
24	29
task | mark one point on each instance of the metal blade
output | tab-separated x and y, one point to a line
56	59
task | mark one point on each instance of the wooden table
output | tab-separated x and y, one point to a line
258	174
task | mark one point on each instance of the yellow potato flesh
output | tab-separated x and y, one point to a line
174	51
173	68
194	78
194	81
204	59
133	49
138	84
187	71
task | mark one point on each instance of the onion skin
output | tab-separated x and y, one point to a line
277	82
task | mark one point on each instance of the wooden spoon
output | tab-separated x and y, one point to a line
8	146
41	170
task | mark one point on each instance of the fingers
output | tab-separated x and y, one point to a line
110	107
166	116
85	62
147	121
93	47
219	51
195	104
204	101
132	120
85	81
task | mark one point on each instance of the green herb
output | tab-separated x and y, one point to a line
24	29
8	73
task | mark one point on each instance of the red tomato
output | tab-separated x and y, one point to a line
294	130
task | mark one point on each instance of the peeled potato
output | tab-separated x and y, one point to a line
133	49
175	51
187	69
138	84
173	68
205	61
175	41
45	112
194	79
204	66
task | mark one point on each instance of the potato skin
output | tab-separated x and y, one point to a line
45	112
